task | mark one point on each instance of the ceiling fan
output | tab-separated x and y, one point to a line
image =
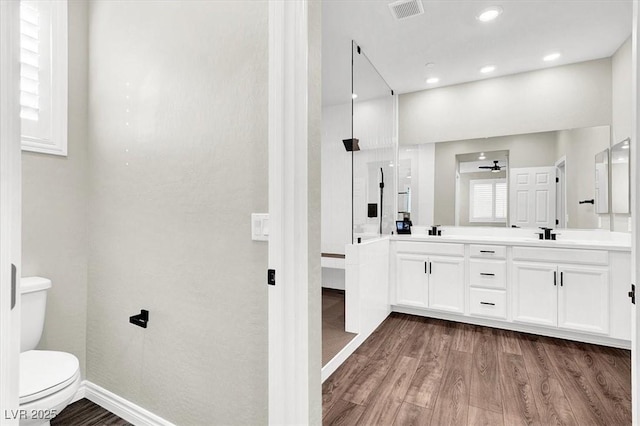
494	169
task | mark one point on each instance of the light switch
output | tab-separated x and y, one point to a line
260	226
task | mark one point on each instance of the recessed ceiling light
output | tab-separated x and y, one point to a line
433	80
489	14
482	157
487	69
551	57
354	95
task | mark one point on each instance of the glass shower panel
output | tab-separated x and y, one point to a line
374	126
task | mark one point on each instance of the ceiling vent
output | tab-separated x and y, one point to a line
403	9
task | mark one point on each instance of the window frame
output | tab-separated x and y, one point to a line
56	142
493	218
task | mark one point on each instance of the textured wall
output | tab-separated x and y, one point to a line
54	193
178	128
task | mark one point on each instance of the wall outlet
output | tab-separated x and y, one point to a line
260	226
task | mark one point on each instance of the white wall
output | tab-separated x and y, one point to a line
336	179
564	97
621	93
621	111
178	130
54	207
579	146
422	160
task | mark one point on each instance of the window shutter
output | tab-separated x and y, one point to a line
501	200
29	62
482	207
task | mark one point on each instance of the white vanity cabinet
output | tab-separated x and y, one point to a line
446	283
427	280
412	282
488	281
573	297
548	288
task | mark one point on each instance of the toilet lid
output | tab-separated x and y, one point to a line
45	372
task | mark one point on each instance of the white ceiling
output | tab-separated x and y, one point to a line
449	35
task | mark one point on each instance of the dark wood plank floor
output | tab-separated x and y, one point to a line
334	338
86	413
422	371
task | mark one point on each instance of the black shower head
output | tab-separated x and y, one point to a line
351	144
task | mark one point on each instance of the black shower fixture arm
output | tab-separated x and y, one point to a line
381	191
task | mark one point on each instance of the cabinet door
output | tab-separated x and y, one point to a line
535	294
446	283
411	280
583	298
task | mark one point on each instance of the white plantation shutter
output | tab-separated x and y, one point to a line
501	200
482	205
43	75
29	62
488	200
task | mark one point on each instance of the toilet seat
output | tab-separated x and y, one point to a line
43	373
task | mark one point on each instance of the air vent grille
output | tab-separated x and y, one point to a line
403	9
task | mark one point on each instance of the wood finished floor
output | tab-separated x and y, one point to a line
422	371
86	413
334	338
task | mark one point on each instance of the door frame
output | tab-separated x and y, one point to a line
10	209
635	206
561	192
292	376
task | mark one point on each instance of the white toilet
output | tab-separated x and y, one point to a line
48	379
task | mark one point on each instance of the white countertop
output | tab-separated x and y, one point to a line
605	240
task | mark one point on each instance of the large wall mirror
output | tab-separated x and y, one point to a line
526	180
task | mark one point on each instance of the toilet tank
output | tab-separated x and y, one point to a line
33	298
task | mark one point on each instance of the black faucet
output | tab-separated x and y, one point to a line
435	231
546	234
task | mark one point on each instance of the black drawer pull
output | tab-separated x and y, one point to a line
486	274
487	251
488	303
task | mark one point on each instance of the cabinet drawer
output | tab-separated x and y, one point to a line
488	303
488	252
441	249
488	273
584	257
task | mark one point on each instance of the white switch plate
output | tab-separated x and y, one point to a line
260	226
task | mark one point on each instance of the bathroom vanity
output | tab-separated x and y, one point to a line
575	287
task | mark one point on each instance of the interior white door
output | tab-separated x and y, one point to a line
583	298
532	197
412	280
446	283
535	294
10	247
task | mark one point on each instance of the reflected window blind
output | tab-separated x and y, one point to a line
482	207
29	62
488	200
501	200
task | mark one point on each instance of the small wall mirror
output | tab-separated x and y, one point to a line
620	178
602	182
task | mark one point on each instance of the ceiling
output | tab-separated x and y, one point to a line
449	36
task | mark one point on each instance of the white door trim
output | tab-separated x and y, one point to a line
10	219
635	206
288	211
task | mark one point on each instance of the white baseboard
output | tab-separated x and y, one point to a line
119	406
